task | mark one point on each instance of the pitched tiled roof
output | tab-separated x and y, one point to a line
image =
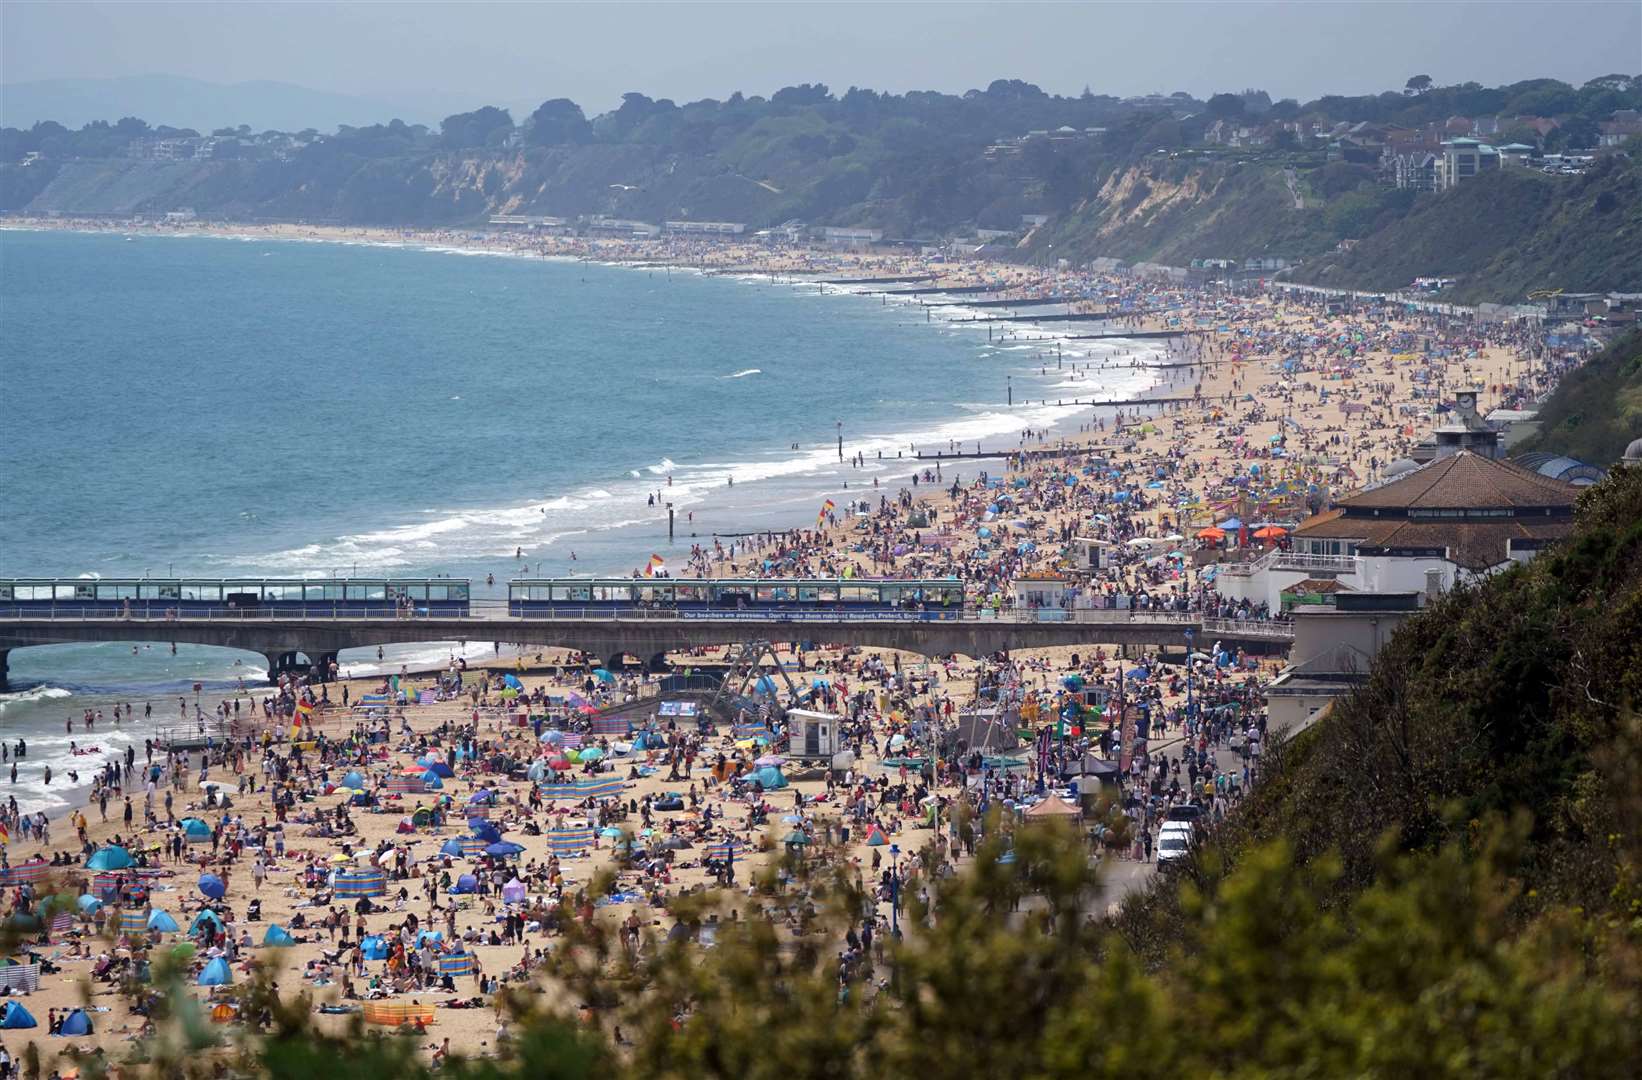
1464	481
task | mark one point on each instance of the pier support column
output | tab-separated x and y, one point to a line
3	654
658	665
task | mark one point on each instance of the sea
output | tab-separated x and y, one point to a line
193	405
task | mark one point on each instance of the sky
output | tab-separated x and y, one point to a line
435	58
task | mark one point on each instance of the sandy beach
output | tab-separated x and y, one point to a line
1312	401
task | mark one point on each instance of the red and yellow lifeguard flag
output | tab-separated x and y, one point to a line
826	508
656	563
304	712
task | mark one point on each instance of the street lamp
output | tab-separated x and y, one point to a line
895	890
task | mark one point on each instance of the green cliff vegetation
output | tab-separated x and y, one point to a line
1438	879
1596	411
1503	235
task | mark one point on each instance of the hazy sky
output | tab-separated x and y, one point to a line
458	55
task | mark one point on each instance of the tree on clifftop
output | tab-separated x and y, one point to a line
488	126
1419	84
559	122
1226	106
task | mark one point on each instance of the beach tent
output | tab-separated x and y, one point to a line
277	935
112	857
485	831
87	903
216	973
161	923
467	883
452	847
439	768
425	936
513	892
770	778
211	885
374	948
196	831
431	781
76	1023
205	916
354	779
15	1016
875	837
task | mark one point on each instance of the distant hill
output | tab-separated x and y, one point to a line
190	103
1596	411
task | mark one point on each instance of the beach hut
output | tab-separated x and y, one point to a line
112	857
277	935
457	964
76	1024
216	973
360	883
211	886
15	1016
161	923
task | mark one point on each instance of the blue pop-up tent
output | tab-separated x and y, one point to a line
76	1023
374	948
216	973
770	778
161	922
277	935
354	779
15	1016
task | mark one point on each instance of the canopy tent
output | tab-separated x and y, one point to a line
277	935
216	973
1053	807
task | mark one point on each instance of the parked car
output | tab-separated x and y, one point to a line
1171	848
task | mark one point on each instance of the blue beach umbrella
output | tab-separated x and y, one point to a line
212	886
503	849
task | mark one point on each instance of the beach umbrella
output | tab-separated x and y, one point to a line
610	832
590	753
161	923
1212	533
775	760
112	857
559	764
504	849
212	886
537	771
482	797
513	892
216	973
277	935
603	675
1270	532
796	838
552	737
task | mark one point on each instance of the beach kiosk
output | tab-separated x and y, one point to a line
813	735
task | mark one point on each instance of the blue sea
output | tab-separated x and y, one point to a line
211	406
